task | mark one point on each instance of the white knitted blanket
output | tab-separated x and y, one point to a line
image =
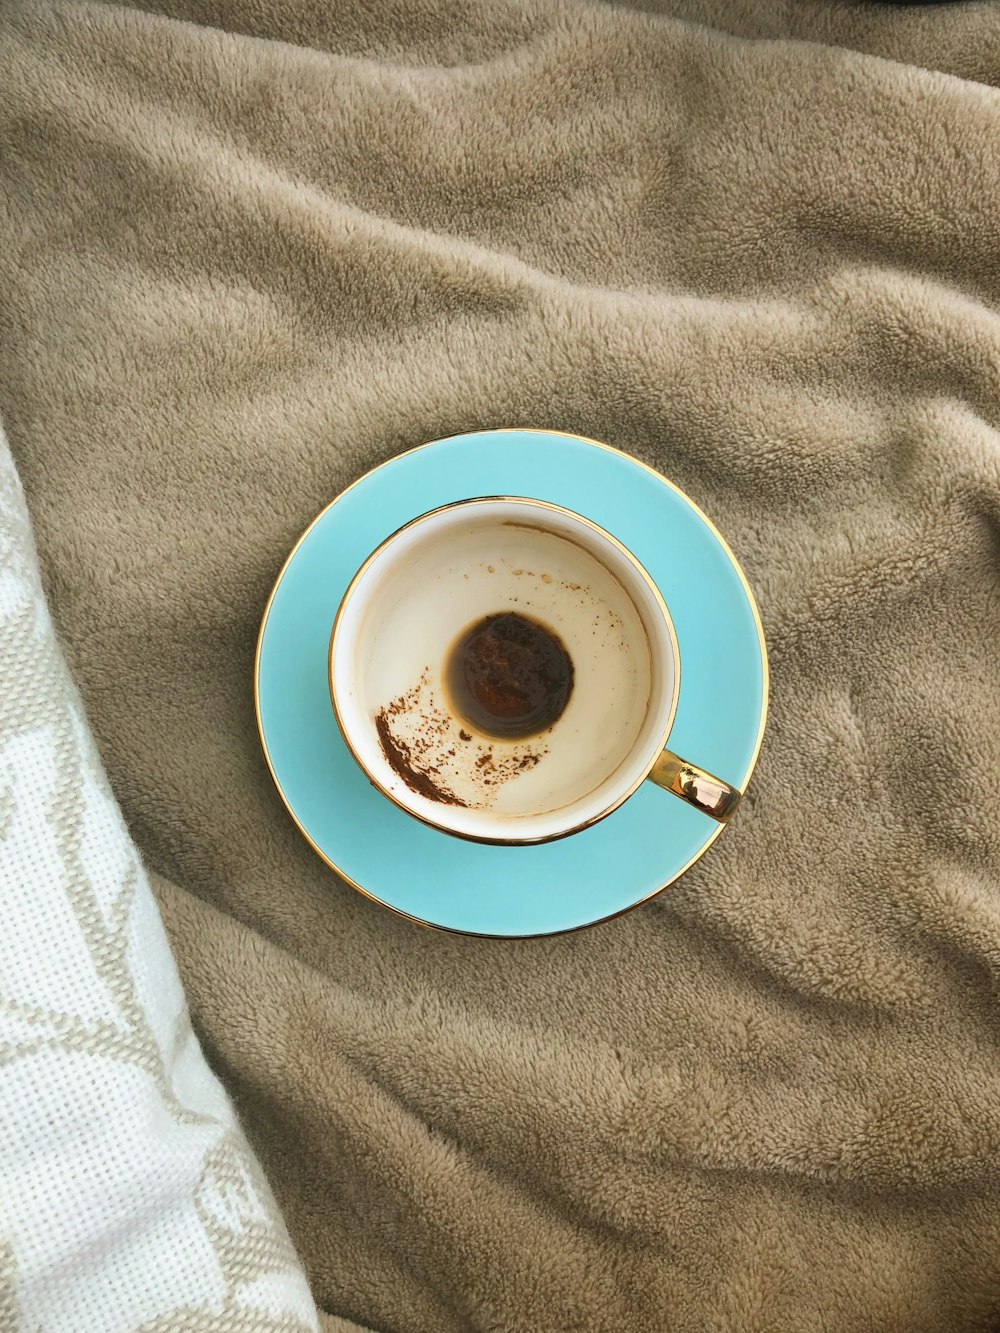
129	1197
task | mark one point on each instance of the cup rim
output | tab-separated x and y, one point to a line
624	551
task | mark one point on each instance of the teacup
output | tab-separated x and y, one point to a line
505	670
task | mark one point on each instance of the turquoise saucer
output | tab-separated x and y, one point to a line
443	881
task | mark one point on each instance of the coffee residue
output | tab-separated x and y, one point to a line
509	676
495	769
437	758
400	757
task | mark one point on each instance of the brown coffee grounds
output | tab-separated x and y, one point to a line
418	738
399	757
509	676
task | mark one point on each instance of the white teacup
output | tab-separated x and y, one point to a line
500	592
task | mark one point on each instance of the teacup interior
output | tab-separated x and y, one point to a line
395	641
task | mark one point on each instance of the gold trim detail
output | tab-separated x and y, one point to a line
623	551
704	791
665	481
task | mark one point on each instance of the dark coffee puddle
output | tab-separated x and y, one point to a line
509	676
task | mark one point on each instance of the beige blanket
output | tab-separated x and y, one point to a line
249	248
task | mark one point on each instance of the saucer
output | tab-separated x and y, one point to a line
474	888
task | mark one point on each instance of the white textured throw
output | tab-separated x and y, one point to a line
129	1198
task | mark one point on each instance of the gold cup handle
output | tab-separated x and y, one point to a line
692	784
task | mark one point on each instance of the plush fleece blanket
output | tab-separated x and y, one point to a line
250	248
